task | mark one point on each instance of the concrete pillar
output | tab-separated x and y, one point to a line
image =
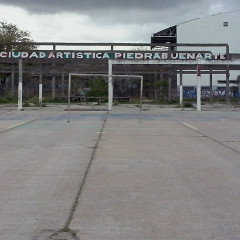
40	90
110	86
199	93
20	89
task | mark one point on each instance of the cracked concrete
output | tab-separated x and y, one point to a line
60	235
150	179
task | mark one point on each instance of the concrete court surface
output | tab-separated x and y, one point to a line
167	174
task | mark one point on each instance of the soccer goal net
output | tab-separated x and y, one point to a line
123	82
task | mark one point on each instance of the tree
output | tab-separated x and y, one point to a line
98	88
162	86
10	33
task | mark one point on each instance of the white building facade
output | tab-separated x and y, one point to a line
220	28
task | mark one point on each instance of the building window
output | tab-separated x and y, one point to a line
225	24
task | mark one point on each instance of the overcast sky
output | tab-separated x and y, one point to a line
105	20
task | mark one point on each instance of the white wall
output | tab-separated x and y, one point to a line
190	80
210	29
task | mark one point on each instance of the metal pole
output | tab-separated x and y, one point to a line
62	85
169	87
69	95
40	89
53	87
198	86
111	93
227	86
181	89
141	93
211	86
199	93
12	84
155	88
20	85
140	105
227	76
110	86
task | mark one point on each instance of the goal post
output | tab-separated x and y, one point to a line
110	87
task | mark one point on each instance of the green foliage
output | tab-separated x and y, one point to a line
98	88
34	100
8	99
56	100
161	83
10	33
187	105
3	100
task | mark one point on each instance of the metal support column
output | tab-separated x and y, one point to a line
69	96
141	93
63	85
211	86
155	88
227	86
199	93
181	89
199	78
169	87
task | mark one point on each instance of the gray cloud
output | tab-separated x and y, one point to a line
93	5
107	12
139	18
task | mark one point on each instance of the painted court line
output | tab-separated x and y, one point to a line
188	125
17	125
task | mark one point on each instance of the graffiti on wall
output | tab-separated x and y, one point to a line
192	93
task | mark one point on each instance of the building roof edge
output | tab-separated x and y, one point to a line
221	13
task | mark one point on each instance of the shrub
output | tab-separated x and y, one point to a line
8	99
188	105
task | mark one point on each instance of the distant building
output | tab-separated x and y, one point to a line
219	28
